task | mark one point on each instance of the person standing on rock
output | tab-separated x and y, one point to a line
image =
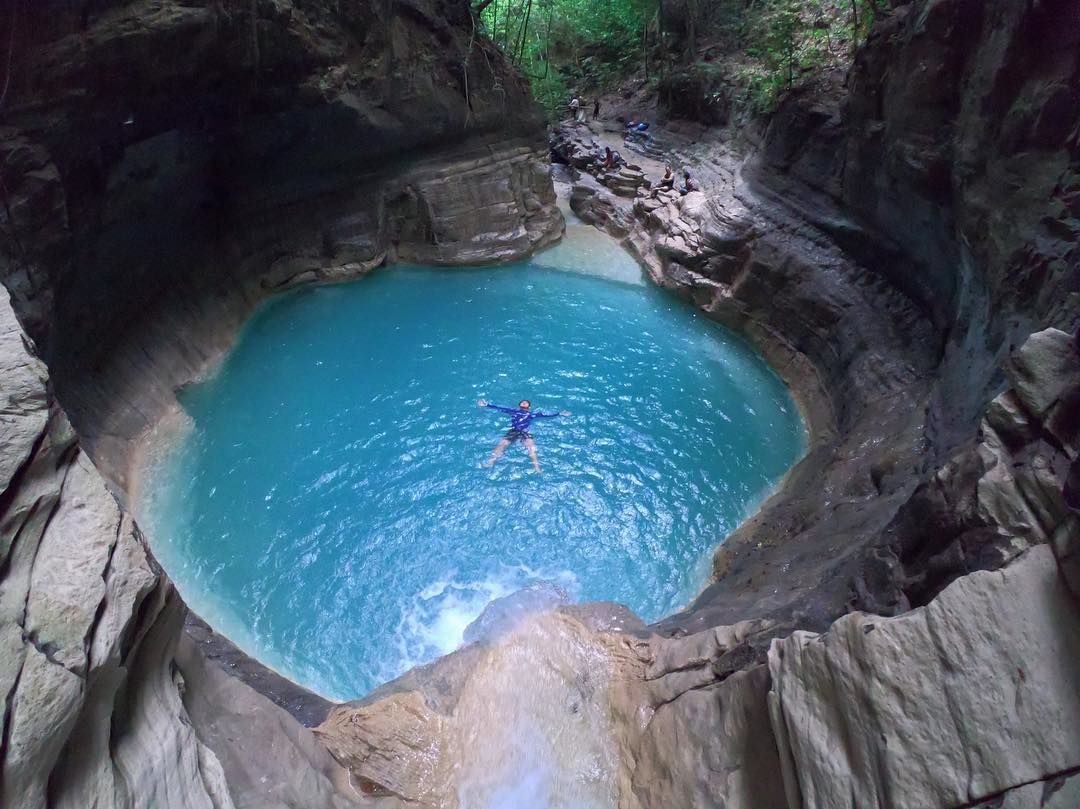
596	109
520	419
575	105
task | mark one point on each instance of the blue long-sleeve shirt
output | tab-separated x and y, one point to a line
521	419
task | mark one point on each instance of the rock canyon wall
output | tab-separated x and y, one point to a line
972	700
167	165
856	240
895	627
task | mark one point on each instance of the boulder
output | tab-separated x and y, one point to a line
1043	370
974	694
624	181
23	402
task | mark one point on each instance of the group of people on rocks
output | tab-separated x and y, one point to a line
612	160
667	182
634	128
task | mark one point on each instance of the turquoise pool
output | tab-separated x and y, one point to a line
329	509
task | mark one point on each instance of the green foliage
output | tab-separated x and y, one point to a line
791	41
569	46
775	39
583	47
695	91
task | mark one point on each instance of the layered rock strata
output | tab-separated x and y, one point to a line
858	244
165	167
101	706
105	701
971	700
168	165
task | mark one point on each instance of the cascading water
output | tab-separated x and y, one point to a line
328	507
535	724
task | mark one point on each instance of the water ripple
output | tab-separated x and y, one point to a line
330	510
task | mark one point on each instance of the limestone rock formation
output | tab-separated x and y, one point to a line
859	375
525	713
976	693
896	627
91	711
100	707
168	165
857	243
973	696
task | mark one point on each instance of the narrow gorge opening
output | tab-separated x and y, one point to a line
327	504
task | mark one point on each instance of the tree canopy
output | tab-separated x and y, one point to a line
693	50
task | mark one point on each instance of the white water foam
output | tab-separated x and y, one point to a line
536	722
437	620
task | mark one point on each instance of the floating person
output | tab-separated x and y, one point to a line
520	419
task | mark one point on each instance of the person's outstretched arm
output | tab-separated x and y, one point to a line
551	415
501	409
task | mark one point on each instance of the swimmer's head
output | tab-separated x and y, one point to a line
524	404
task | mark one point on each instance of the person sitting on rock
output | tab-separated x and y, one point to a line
689	184
667	182
520	419
609	159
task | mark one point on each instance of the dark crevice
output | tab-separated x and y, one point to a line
136	627
691	665
702	687
1052	782
5	563
47	649
91	633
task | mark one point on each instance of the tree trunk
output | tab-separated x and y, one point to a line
524	32
645	48
854	26
691	30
